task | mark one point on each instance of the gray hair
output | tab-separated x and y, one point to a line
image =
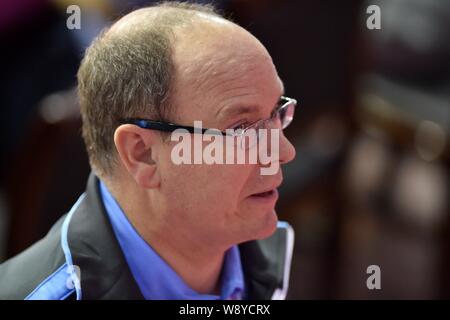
129	74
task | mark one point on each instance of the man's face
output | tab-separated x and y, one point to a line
217	74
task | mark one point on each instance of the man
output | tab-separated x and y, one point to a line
147	227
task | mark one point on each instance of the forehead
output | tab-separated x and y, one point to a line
217	69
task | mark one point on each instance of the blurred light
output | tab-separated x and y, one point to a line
59	106
430	140
52	109
368	163
328	135
420	192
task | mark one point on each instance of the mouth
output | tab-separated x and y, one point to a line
267	196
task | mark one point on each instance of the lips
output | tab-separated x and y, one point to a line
269	197
264	194
268	191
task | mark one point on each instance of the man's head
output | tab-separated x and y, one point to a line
180	64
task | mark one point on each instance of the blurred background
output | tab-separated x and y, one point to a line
370	184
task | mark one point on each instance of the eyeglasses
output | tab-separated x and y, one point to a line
283	113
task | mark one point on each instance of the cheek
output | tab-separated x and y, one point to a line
207	188
221	185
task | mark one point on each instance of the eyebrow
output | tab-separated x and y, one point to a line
240	110
237	111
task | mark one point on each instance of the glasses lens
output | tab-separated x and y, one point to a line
287	114
248	139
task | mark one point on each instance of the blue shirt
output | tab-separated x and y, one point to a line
155	278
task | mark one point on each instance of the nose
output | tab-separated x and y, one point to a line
287	150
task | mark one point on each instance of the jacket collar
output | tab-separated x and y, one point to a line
106	275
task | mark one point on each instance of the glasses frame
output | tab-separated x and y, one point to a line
171	127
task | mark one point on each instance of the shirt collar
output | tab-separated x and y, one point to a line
155	278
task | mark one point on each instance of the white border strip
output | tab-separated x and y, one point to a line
66	249
281	293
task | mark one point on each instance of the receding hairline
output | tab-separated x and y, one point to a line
130	68
140	18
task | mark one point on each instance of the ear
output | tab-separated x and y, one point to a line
137	149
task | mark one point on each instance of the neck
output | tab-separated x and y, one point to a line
197	261
199	268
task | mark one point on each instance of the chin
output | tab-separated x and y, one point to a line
266	226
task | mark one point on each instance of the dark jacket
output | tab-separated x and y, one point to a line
84	238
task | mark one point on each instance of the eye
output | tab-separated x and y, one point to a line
240	126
